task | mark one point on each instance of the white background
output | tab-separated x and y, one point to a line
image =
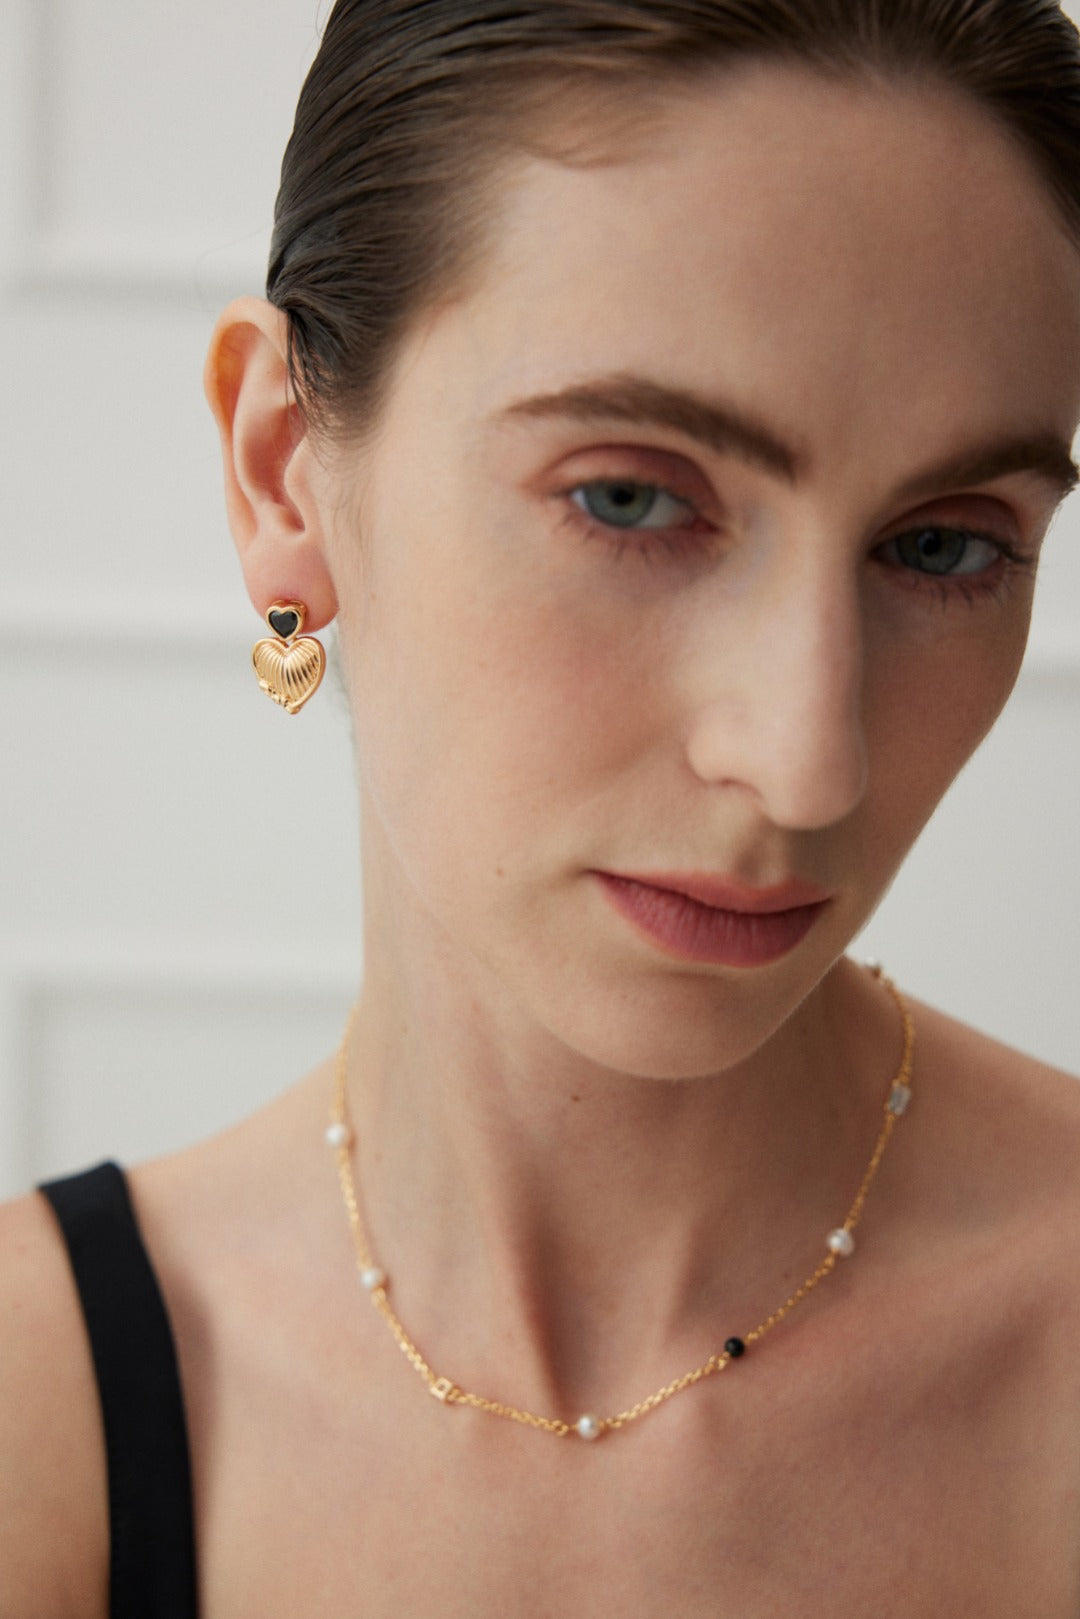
179	893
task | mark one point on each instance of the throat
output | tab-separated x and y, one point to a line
676	1230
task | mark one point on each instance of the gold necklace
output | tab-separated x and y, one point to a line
839	1244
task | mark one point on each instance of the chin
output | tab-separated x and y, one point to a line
672	1025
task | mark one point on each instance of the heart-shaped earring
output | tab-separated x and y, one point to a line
291	667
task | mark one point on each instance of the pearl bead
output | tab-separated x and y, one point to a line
338	1135
372	1277
899	1097
588	1426
841	1242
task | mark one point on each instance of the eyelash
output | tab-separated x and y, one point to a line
650	545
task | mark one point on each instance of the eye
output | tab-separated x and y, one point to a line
943	552
623	503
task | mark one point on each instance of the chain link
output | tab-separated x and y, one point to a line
449	1393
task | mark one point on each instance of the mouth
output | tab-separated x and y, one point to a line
695	917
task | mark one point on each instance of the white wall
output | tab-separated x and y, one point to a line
178	869
178	873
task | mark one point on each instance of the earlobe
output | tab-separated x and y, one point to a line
273	513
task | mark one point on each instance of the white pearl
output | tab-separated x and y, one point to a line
841	1242
588	1426
338	1135
372	1277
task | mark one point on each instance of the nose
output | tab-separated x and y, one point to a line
779	700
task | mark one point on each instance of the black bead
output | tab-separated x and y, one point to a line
284	622
734	1347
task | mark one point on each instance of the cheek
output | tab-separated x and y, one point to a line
928	709
486	716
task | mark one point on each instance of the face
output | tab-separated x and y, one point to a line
699	538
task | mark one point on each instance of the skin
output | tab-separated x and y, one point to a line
554	1118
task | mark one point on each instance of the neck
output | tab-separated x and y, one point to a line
524	1199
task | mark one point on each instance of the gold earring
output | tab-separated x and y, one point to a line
291	667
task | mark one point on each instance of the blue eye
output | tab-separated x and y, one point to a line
622	503
944	552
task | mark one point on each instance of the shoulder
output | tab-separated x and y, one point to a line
1004	1098
53	1506
994	1153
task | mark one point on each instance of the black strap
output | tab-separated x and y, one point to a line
152	1562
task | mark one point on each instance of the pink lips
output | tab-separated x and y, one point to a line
712	919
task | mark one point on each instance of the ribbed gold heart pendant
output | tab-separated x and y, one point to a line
289	671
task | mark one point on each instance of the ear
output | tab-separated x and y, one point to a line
271	470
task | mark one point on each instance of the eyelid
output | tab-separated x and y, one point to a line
666	470
988	517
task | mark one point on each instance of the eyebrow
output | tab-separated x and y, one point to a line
731	431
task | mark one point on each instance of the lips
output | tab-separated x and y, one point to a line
697	917
727	894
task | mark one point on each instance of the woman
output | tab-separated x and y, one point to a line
669	401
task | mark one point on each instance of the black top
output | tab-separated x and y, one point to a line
151	1525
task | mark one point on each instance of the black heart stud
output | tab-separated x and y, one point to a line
285	618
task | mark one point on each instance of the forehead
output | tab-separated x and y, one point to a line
853	255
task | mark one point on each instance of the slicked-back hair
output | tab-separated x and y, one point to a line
386	194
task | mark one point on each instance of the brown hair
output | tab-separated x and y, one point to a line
385	184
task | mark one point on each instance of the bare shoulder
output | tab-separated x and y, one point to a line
210	1219
53	1510
1000	1139
993	1081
